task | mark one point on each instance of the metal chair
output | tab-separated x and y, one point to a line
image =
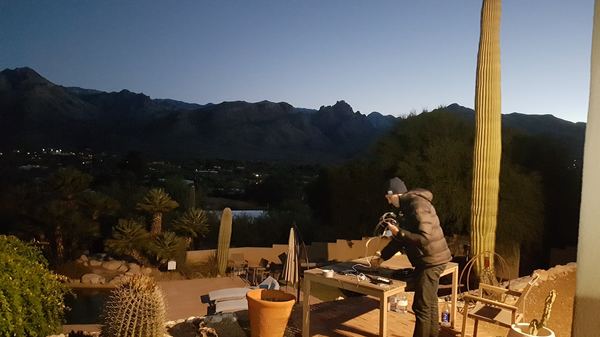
238	264
496	305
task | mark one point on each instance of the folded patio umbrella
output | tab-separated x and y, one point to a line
290	269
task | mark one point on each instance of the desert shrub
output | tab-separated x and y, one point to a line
31	296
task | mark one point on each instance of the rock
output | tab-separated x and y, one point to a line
112	265
116	280
133	267
123	268
147	270
83	258
543	275
92	278
95	263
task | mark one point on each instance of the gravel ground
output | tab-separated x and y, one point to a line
561	317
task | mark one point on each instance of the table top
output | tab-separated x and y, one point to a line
345	276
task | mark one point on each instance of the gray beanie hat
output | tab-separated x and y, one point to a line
396	186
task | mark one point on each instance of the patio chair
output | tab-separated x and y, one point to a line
228	294
496	305
231	305
258	271
229	299
238	264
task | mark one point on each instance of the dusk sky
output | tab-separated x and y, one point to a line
388	56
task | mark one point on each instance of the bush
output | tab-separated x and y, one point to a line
31	296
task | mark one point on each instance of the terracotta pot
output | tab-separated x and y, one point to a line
269	312
522	330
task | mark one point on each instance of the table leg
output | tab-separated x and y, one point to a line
454	296
383	306
306	308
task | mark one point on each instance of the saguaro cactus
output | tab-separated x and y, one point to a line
135	308
488	137
224	240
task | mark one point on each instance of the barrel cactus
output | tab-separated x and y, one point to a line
135	308
224	240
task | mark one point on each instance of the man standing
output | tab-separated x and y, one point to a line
418	233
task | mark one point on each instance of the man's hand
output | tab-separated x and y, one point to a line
392	228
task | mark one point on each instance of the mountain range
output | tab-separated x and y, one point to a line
36	113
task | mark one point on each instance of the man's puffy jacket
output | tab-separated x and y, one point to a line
421	237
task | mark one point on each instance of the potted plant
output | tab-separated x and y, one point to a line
535	328
269	312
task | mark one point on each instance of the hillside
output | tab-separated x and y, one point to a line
35	113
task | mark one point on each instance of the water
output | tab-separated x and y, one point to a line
85	305
446	313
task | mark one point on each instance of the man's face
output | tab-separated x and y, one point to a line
393	199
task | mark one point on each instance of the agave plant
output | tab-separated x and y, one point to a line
129	238
167	246
192	224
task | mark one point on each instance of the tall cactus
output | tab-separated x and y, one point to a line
488	137
135	308
224	240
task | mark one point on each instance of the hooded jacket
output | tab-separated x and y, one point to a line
420	236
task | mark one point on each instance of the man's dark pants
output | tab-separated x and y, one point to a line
425	303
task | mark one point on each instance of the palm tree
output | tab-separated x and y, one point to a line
192	224
157	202
130	239
488	141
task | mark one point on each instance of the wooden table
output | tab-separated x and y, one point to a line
380	291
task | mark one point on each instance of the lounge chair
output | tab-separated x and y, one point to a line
227	294
231	305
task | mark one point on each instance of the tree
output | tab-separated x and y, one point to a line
192	224
157	202
488	138
65	186
434	151
129	238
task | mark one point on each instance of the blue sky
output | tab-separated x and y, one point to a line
388	56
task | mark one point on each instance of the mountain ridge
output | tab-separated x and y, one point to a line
34	112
